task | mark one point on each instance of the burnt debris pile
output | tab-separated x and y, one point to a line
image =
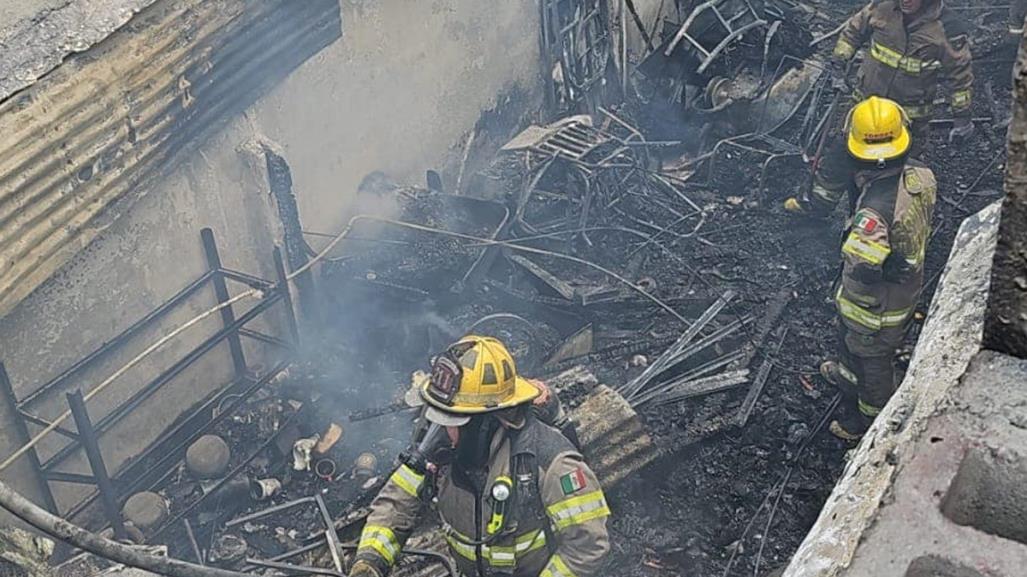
642	245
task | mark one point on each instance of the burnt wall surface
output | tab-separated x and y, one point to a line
1006	325
400	92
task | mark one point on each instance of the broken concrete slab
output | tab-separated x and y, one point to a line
964	487
38	35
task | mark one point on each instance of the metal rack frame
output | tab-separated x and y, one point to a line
171	445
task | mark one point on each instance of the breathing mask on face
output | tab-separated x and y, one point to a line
431	447
472	449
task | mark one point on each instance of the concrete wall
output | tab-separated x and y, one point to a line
399	93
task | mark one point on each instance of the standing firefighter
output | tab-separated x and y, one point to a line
513	495
912	47
883	260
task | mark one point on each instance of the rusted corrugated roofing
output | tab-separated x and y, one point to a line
48	32
95	129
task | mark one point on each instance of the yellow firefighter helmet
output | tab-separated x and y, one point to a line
878	130
475	375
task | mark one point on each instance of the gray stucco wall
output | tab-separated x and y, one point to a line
398	93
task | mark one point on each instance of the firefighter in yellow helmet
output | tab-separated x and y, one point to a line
883	253
911	49
512	494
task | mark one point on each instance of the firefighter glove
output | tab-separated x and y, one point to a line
962	128
363	569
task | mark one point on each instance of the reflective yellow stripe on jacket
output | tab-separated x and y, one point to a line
872	252
894	59
577	510
498	556
870	319
408	480
556	568
381	540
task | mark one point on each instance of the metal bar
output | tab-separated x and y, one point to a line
300	551
711	339
330	534
22	437
283	288
269	511
294	569
44	423
62	477
742	417
192	541
271	340
90	443
701	387
130	405
724	43
248	279
666	360
114	342
210	251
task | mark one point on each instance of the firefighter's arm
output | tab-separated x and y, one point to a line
394	514
867	246
957	68
577	512
853	34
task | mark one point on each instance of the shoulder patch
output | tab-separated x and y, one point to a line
573	482
912	181
866	222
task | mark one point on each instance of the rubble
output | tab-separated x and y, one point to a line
648	280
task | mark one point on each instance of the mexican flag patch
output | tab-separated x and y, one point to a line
573	482
866	222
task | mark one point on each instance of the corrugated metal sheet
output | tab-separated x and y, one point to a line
81	143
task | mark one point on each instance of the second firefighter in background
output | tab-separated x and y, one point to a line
513	495
912	48
883	256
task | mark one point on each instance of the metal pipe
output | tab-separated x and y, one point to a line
111	344
21	434
122	410
70	533
210	251
87	434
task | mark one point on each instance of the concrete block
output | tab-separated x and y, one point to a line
989	493
958	507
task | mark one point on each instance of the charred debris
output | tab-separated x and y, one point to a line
630	247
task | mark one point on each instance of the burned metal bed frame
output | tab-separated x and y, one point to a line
148	468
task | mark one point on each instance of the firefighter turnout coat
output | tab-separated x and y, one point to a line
553	525
883	267
906	61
